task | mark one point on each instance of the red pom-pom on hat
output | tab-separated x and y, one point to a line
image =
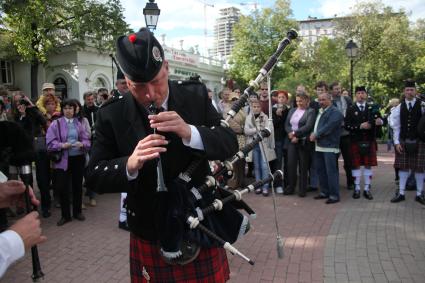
132	38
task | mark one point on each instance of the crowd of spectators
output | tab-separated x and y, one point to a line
309	133
62	132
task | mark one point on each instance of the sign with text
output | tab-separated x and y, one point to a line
181	56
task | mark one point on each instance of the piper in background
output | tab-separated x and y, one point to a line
410	149
361	121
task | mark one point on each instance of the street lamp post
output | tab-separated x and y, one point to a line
352	50
151	13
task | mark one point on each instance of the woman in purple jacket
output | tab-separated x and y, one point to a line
68	135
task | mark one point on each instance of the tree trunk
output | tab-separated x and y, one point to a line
34	79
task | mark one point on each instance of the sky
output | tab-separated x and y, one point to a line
189	20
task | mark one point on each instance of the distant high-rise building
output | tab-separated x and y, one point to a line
224	40
312	29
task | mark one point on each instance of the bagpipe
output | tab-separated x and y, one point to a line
21	154
192	216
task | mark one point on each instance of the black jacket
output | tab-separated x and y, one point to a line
305	125
354	117
34	122
90	113
279	123
122	123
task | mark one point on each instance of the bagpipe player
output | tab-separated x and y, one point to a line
125	153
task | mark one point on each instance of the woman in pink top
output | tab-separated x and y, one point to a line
299	124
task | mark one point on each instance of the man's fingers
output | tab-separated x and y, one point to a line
34	200
15	187
150	151
164	116
147	157
151	137
169	126
152	143
42	239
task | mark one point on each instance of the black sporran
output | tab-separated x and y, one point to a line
364	148
411	146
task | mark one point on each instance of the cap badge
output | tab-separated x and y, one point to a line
132	38
156	54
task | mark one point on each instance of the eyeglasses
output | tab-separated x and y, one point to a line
264	89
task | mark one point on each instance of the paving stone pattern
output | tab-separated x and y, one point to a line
352	241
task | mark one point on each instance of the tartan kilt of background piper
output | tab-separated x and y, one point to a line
415	162
211	265
368	160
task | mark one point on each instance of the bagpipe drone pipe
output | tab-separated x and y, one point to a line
21	155
192	216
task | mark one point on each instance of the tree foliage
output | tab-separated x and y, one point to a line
257	37
387	52
391	50
38	27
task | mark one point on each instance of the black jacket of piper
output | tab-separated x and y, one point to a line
354	117
122	123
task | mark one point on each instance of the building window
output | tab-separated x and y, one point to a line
100	83
5	72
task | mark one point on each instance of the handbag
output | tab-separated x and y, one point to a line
364	148
411	146
56	156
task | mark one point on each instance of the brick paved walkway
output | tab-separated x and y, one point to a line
352	241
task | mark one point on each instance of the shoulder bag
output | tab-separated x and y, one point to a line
56	156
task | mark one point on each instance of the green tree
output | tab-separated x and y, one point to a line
387	52
257	37
323	60
419	63
39	27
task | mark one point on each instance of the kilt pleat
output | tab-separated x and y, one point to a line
358	160
211	265
415	162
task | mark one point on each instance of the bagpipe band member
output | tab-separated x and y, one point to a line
125	152
361	121
410	148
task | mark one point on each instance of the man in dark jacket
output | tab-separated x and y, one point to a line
126	149
90	108
326	134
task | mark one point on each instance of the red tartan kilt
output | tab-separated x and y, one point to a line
210	266
368	160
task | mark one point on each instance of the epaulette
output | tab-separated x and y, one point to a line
113	99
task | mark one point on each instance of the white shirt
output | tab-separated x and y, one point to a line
360	105
195	141
395	119
11	249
